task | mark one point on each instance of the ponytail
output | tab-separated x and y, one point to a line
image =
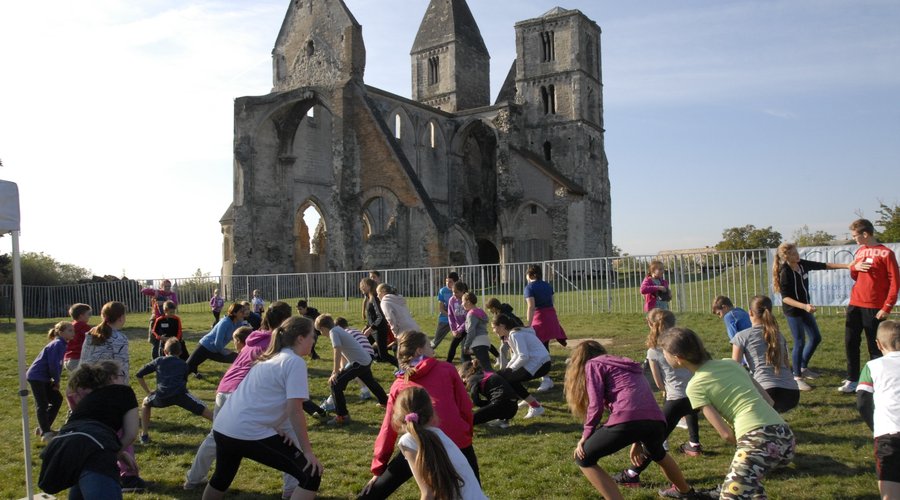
659	320
761	307
413	412
407	344
286	334
110	313
57	329
780	260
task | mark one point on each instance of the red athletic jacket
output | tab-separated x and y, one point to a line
877	288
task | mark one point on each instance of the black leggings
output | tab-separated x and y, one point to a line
784	399
383	354
520	374
201	354
674	409
47	401
271	451
345	376
398	472
605	440
503	409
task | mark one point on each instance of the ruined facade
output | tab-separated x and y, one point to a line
444	178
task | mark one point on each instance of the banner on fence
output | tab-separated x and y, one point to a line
827	288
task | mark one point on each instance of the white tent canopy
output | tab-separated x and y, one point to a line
10	222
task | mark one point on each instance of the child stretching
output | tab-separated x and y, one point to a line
171	386
764	349
440	469
497	308
530	360
677	404
81	314
264	419
476	343
452	406
363	341
165	327
212	345
596	382
456	315
878	401
726	394
501	403
358	365
43	377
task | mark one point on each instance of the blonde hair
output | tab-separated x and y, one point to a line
659	320
575	386
286	334
407	344
58	329
776	353
780	259
413	412
889	334
655	264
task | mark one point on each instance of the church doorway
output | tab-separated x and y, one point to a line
487	252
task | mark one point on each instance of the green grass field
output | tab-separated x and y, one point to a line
533	458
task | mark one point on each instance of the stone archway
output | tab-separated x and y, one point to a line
310	246
487	252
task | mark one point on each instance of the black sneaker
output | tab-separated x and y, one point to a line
623	479
673	492
133	484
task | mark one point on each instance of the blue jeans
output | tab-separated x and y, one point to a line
95	485
801	327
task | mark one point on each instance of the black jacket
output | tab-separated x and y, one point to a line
77	442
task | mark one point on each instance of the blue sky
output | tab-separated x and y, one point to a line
116	116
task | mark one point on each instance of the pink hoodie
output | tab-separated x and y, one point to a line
256	344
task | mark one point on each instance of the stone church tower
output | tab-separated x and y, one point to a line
444	178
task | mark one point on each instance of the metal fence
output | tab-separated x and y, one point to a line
582	286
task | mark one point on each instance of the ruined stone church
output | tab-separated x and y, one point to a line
443	178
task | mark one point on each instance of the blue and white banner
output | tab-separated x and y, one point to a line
830	287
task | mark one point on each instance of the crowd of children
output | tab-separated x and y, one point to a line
429	415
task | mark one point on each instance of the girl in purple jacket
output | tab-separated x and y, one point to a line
655	288
43	377
597	382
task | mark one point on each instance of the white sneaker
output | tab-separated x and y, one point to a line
534	411
523	403
849	387
328	404
682	424
365	394
802	385
546	385
500	422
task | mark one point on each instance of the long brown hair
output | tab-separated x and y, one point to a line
659	320
685	344
780	259
471	373
110	313
286	334
776	353
275	314
407	344
575	387
413	412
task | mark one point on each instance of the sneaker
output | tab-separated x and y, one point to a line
133	484
339	420
691	450
673	492
328	404
682	424
807	373
188	485
502	423
534	411
145	438
546	385
523	403
365	394
802	385
627	480
848	387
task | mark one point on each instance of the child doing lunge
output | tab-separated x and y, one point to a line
441	471
164	328
171	386
500	405
476	342
726	394
530	360
81	314
677	405
364	342
43	376
765	351
358	365
878	401
495	307
452	407
597	382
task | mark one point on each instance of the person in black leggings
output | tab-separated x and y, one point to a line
500	404
375	322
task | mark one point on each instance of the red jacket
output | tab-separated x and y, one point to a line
877	288
452	407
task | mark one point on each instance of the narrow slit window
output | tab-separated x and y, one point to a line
548	48
431	135
398	122
548	151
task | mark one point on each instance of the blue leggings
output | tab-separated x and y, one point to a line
803	326
95	485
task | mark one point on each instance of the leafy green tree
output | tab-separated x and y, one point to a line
890	221
804	238
749	237
41	269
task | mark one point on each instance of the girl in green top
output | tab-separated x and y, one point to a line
729	397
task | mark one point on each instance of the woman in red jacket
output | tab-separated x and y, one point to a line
452	406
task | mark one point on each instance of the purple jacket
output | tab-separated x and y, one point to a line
456	314
47	366
617	384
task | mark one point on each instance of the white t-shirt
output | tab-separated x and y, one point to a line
470	489
260	405
881	377
349	347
